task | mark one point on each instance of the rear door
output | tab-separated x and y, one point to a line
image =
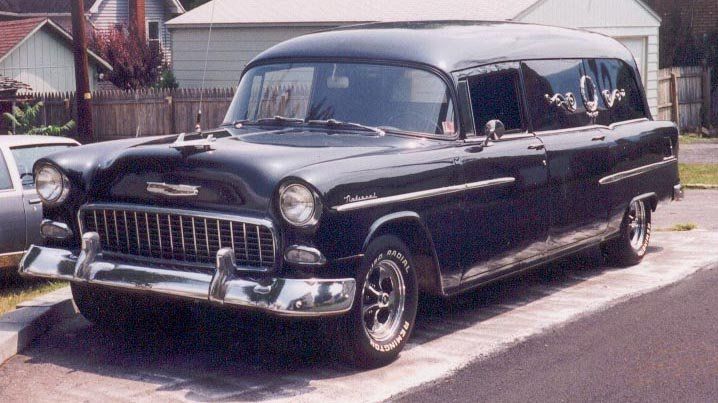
12	214
506	200
564	105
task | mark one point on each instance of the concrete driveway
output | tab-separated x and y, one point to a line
240	358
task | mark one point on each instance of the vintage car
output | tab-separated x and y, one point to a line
20	206
361	166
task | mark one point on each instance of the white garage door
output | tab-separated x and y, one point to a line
637	46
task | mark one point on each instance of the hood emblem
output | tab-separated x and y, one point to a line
167	189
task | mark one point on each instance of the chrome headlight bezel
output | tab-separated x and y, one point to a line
310	215
57	196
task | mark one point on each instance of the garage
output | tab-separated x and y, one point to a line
241	31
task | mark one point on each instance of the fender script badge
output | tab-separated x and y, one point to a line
167	189
352	199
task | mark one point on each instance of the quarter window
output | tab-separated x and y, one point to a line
5	182
619	92
496	94
553	90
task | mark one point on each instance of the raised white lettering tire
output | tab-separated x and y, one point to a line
385	303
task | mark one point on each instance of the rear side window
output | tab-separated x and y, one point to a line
5	182
619	92
553	91
496	95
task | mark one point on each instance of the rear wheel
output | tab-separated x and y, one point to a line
126	311
631	246
385	304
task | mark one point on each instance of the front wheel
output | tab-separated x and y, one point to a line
385	304
631	245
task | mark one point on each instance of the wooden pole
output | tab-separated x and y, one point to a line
82	77
706	97
675	102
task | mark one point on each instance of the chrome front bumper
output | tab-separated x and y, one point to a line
678	194
280	296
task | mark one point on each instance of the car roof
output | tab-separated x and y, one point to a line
20	140
448	45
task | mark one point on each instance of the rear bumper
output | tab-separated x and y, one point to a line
678	194
280	296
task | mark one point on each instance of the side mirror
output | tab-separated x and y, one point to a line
493	130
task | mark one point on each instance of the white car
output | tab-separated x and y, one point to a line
20	206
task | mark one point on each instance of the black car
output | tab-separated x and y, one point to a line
360	166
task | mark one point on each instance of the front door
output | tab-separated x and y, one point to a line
506	197
12	214
564	105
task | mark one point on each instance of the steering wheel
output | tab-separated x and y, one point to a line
413	115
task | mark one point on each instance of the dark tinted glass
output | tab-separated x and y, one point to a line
553	90
5	182
619	92
497	95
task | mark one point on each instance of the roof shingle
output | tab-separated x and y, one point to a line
39	6
13	32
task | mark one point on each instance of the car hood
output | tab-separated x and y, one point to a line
240	171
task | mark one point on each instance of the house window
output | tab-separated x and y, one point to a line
153	34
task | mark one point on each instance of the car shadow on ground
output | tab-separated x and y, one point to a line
224	355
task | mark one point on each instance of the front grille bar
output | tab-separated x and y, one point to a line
180	236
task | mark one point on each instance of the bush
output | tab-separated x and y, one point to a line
135	63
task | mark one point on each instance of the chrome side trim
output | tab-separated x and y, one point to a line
636	171
422	194
594	126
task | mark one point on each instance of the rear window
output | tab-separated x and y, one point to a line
25	158
5	182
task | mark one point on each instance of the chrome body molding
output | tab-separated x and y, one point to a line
423	194
55	230
636	171
279	296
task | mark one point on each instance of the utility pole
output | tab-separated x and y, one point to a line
83	96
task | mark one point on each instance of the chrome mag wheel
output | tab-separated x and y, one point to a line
383	300
637	224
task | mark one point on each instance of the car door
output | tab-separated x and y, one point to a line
564	105
24	158
12	213
506	178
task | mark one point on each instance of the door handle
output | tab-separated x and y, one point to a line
599	138
35	201
536	147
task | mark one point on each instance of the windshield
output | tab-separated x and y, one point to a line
390	97
25	158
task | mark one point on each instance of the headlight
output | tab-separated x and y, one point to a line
298	205
52	186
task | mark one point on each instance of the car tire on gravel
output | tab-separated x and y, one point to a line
385	304
631	245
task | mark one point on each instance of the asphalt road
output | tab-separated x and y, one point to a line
700	208
659	347
699	153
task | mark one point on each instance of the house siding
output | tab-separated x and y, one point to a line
229	52
44	62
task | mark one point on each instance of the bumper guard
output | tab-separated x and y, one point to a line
280	296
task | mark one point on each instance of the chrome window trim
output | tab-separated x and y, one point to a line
594	126
636	171
422	194
191	213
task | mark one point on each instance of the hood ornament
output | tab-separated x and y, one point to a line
166	189
204	143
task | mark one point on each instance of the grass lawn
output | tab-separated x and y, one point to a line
692	138
14	289
706	174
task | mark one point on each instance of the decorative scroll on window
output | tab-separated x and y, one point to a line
589	93
611	97
566	101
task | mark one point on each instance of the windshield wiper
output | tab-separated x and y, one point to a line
277	119
339	123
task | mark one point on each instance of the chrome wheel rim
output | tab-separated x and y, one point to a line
383	299
637	224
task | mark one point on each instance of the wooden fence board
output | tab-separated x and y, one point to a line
694	107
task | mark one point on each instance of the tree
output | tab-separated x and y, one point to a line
135	64
22	120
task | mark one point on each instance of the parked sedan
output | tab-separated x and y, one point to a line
360	166
20	205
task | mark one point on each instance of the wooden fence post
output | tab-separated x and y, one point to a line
675	104
706	112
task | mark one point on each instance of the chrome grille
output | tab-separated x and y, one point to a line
179	237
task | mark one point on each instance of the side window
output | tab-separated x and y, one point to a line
5	181
496	94
553	91
619	92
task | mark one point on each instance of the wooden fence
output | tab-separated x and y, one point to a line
122	114
684	97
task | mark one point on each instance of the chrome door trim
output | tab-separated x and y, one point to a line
422	194
594	126
636	171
